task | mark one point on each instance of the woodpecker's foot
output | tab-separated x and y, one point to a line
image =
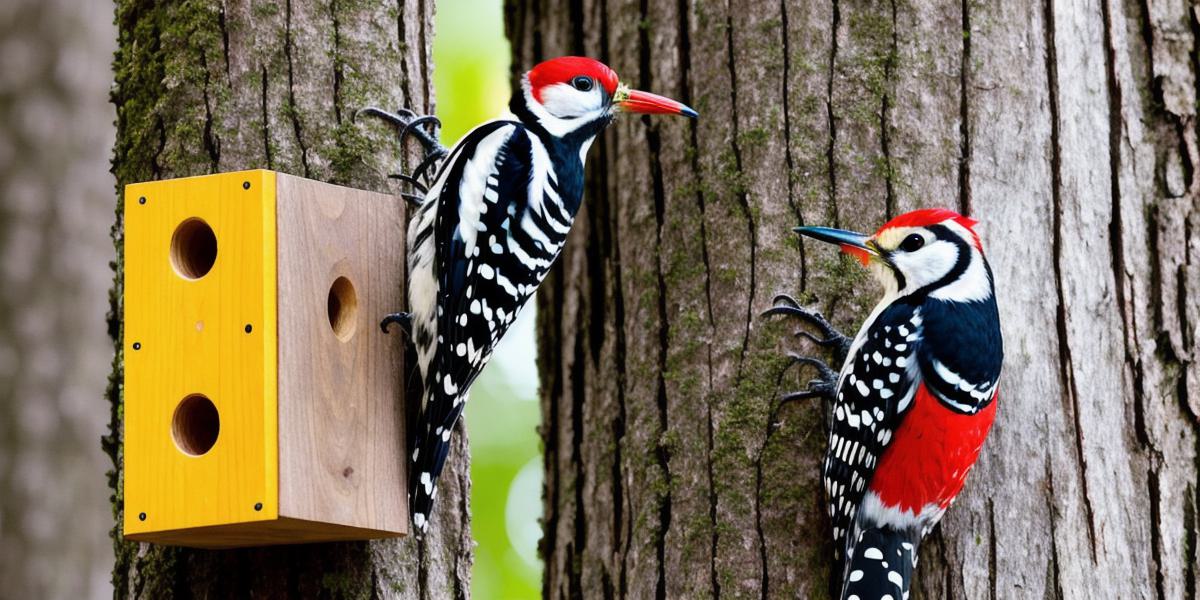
824	386
424	128
403	319
831	339
409	123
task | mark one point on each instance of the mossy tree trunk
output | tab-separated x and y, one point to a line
1067	128
217	85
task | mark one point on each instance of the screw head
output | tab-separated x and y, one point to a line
245	185
258	506
249	328
141	516
137	345
142	200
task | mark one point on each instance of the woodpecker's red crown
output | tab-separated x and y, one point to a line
566	68
931	216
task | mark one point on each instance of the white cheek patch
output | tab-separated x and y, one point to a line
564	101
973	285
926	265
560	124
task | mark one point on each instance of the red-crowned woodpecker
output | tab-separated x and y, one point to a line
489	227
915	398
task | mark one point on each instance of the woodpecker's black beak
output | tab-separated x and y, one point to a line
637	101
855	244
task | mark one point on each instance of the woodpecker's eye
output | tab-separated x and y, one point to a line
912	243
582	83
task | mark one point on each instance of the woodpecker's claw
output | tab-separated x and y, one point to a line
825	384
403	319
833	339
408	122
424	129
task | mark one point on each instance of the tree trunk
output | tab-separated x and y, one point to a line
1067	128
218	85
55	198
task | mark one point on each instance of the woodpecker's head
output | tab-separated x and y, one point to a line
573	93
934	252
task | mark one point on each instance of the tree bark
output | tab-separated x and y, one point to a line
217	85
1068	128
55	198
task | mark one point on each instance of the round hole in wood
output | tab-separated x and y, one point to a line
343	308
193	249
196	425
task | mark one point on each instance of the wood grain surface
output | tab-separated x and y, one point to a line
341	412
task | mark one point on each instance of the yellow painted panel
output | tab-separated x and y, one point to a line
191	339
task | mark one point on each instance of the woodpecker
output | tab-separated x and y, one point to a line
488	229
915	397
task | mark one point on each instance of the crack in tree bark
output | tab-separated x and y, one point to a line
831	148
338	67
885	105
212	145
964	114
992	553
789	161
550	315
224	29
578	379
1066	368
293	108
1155	493
156	167
740	191
266	121
1055	570
402	39
425	44
1190	540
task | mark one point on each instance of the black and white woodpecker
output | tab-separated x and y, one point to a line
915	398
490	226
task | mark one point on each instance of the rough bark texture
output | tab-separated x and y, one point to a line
1067	127
219	85
55	198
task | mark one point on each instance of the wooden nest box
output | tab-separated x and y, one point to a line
263	405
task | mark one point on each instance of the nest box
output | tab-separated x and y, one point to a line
263	405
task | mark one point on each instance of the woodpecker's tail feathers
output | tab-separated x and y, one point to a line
881	566
430	448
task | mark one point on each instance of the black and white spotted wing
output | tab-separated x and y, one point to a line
876	388
497	236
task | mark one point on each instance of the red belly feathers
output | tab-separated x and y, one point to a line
930	454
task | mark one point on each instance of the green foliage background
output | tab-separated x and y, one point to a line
471	59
